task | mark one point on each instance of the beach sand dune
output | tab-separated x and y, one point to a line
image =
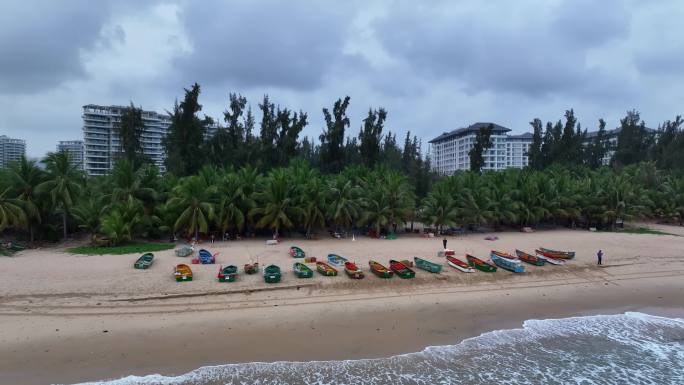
95	317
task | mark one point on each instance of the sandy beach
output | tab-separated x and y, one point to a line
67	318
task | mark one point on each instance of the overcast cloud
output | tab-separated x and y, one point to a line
434	66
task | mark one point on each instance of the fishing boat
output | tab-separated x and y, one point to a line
401	270
326	269
551	260
301	270
297	252
182	272
272	274
480	264
145	261
380	270
205	257
556	253
252	268
336	260
504	254
529	258
352	270
508	264
228	273
459	265
427	265
184	251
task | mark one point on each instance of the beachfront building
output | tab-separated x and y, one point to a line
11	149
449	152
75	150
612	139
102	145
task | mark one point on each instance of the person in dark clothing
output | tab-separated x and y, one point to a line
444	242
599	255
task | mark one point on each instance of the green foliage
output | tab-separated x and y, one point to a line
130	130
63	185
482	143
332	139
135	248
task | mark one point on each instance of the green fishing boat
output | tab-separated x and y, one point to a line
301	270
272	274
145	261
380	270
400	269
480	264
427	265
228	273
326	269
297	252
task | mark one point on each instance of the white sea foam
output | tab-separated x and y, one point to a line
632	348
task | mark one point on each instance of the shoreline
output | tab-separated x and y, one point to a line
55	308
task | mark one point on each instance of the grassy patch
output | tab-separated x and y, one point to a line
644	230
123	249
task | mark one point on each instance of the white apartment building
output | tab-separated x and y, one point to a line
75	150
102	144
449	152
10	150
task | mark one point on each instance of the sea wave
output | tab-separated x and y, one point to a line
630	348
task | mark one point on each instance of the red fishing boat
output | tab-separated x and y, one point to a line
352	270
529	258
480	264
459	265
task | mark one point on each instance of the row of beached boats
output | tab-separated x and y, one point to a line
402	269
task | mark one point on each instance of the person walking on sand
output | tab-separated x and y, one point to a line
212	238
444	242
599	255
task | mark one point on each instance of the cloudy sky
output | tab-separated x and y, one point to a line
434	66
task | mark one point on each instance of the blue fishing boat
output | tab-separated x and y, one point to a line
205	257
336	260
508	264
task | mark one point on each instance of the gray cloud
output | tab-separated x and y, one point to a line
287	44
41	42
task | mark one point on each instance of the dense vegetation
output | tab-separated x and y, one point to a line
239	183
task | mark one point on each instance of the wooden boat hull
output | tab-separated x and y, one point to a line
479	264
144	262
529	258
302	271
353	271
272	274
459	265
401	270
336	260
504	255
251	268
326	269
297	252
556	253
380	270
184	251
206	258
182	273
427	265
508	264
552	261
227	274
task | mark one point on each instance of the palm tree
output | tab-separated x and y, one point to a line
439	207
376	210
343	202
11	212
277	206
63	184
193	199
313	203
87	214
117	228
24	177
229	207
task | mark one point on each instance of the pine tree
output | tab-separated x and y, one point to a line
332	139
130	130
184	142
370	136
482	143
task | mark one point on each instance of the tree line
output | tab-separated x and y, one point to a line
241	183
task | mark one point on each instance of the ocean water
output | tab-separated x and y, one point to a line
630	348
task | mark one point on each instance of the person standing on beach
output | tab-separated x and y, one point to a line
599	255
444	242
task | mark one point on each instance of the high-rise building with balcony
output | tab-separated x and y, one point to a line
11	149
102	144
449	152
75	150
